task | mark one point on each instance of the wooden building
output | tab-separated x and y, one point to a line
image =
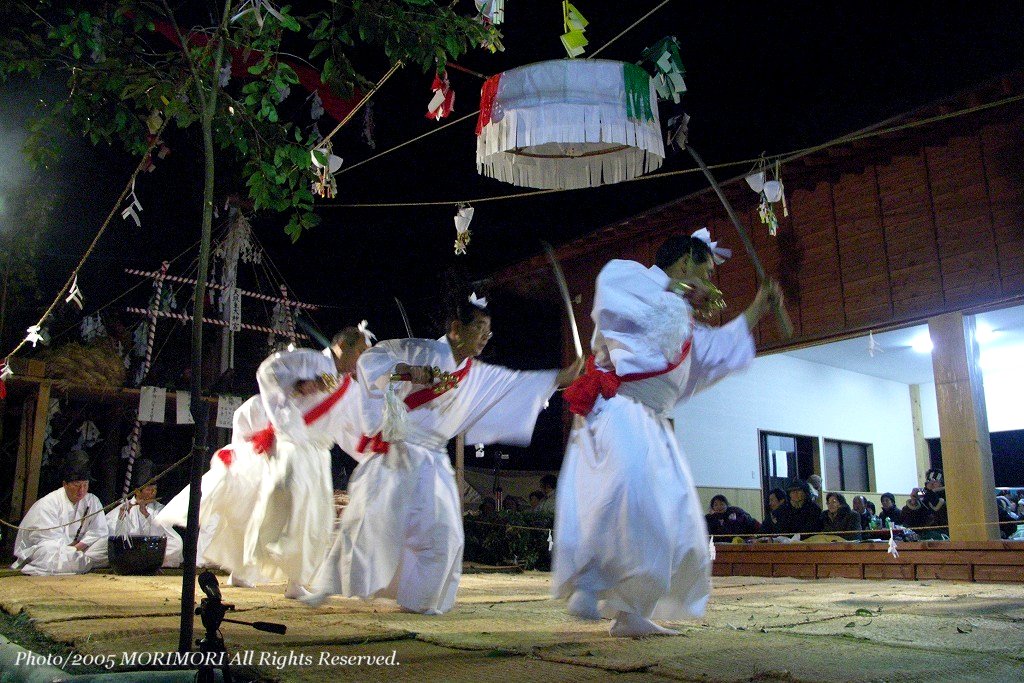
919	219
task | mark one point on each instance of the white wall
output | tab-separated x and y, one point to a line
719	428
1003	401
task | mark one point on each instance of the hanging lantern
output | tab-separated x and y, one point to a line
569	124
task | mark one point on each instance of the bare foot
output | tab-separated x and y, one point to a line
583	604
628	625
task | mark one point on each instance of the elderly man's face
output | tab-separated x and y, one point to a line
76	490
146	494
797	498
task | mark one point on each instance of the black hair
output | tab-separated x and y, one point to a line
934	474
539	495
891	497
464	311
870	506
678	246
838	496
721	498
347	338
779	494
549	480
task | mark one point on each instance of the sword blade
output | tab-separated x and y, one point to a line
405	318
563	288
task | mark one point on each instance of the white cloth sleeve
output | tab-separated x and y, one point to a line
43	514
638	325
510	401
95	526
277	377
718	352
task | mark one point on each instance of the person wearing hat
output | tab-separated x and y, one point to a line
55	535
137	517
630	538
804	515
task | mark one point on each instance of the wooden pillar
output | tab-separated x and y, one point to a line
963	429
24	449
35	454
460	464
921	454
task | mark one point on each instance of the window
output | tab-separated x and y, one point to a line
846	466
785	457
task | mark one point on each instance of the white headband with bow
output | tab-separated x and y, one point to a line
719	254
370	337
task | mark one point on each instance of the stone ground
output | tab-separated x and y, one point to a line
504	628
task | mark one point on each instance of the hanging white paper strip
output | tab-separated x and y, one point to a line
152	404
183	407
226	407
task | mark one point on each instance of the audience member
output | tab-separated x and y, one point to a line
778	508
1009	518
510	503
727	520
488	508
817	490
890	513
860	507
548	484
840	518
536	498
804	517
914	515
934	500
40	549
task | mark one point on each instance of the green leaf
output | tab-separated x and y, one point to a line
863	612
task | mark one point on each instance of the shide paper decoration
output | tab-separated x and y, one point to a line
75	294
133	208
574	24
443	101
770	191
463	217
667	65
492	11
569	124
325	165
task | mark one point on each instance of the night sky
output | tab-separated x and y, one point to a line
761	78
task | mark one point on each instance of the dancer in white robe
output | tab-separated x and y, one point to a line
269	491
401	533
630	540
42	550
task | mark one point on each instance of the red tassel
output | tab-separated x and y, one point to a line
375	444
263	440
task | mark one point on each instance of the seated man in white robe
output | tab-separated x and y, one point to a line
137	517
60	527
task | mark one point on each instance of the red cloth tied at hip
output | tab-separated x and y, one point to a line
583	392
375	444
263	440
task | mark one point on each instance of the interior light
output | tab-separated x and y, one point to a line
984	333
922	344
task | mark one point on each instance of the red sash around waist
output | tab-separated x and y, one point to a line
583	392
421	397
263	440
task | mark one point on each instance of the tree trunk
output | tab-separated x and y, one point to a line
198	406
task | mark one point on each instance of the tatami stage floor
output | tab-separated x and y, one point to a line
504	628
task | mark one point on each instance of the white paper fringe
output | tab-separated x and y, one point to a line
395	417
541	109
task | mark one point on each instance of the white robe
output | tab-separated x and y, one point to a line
628	525
134	523
401	533
50	551
274	511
